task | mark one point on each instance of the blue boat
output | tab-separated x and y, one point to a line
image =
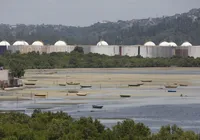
171	90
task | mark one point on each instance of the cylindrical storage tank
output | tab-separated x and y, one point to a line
186	44
37	43
149	44
174	45
129	50
102	43
20	43
164	44
70	48
4	47
181	51
146	51
165	52
194	51
106	50
60	43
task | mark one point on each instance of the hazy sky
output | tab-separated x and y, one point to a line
87	12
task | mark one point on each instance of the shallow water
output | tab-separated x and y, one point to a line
148	108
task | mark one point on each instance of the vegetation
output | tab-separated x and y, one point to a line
18	62
177	28
60	126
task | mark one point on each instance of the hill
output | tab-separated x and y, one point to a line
177	28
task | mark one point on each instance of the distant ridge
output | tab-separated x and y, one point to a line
177	28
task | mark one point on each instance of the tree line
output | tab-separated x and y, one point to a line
17	62
61	126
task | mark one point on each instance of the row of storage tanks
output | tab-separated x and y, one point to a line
149	49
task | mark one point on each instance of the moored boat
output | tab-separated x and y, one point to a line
134	85
146	81
62	85
32	80
183	85
72	91
29	84
125	96
85	86
171	90
171	86
81	94
72	83
97	106
40	95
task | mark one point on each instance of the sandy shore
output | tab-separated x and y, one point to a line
47	82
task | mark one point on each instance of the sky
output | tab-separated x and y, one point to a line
87	12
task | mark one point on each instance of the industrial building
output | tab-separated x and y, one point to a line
8	80
149	49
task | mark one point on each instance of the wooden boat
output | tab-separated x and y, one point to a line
141	84
81	94
72	91
134	85
40	95
125	96
29	84
72	83
97	106
32	80
171	90
85	86
171	86
183	85
62	85
146	81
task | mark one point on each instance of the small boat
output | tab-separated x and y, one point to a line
72	83
171	86
146	81
29	84
183	85
97	106
62	85
81	94
85	86
40	95
125	96
134	85
72	91
141	84
32	80
171	90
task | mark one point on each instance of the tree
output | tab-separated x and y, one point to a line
78	49
17	68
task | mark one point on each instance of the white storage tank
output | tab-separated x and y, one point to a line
164	43
102	43
60	43
146	51
20	43
106	50
129	50
5	44
149	43
186	44
194	51
172	44
37	43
